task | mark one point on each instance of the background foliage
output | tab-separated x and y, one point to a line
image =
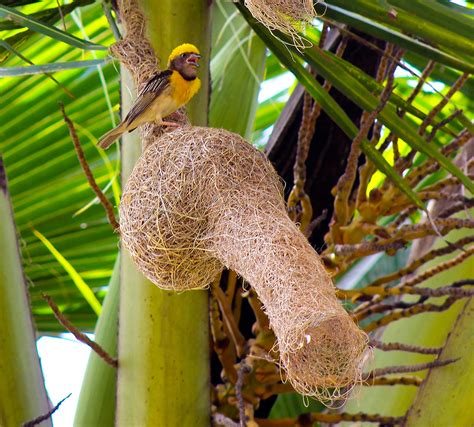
43	64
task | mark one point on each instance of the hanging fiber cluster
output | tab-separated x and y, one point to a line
287	16
201	199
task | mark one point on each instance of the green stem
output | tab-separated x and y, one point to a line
96	405
22	392
440	385
163	377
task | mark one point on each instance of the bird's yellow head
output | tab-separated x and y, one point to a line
185	60
182	49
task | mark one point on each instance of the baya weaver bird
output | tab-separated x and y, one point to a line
163	94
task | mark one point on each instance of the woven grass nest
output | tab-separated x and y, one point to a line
201	199
288	16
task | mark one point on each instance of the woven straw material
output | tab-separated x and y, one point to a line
288	16
201	199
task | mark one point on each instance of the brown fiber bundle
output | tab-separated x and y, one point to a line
287	16
200	199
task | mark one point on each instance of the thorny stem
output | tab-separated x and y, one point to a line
403	216
436	195
398	346
437	269
311	112
79	335
452	209
421	81
405	162
359	250
315	223
442	123
109	209
408	312
244	369
402	380
450	181
342	211
403	206
434	253
374	307
408	289
44	417
380	372
400	237
366	171
432	114
417	174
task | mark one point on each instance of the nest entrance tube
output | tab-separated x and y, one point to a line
201	199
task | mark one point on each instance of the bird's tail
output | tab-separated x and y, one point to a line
108	139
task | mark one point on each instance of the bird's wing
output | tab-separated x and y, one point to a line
154	88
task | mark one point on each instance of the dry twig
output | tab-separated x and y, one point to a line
109	209
226	310
442	123
434	253
241	372
432	114
408	289
79	335
402	380
44	417
380	372
398	346
342	210
408	312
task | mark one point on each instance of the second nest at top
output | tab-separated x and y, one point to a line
287	16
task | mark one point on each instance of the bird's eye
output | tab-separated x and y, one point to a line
183	55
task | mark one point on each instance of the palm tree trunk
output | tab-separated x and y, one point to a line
22	392
163	377
96	405
439	392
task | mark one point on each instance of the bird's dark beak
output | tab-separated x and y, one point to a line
193	59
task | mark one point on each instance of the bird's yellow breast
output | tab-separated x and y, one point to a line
183	90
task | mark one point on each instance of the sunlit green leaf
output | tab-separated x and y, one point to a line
49	68
11	14
83	287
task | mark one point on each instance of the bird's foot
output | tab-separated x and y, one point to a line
171	124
